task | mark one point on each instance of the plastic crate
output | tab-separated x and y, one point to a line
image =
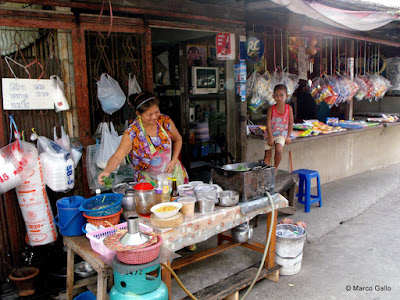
96	238
102	205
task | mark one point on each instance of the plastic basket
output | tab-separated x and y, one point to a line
102	205
96	238
101	220
140	256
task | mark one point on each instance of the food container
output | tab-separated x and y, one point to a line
166	214
145	198
188	204
185	190
228	198
205	206
206	192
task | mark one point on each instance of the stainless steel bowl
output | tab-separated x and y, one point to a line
83	269
228	198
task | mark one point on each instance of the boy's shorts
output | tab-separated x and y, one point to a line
279	139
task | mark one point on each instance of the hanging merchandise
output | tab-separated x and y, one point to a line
34	203
15	162
322	91
291	81
110	94
133	85
109	144
58	166
262	91
60	102
75	148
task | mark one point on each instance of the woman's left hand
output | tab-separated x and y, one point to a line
171	166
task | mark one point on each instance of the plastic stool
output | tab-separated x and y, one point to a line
305	177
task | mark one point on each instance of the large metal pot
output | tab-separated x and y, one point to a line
128	202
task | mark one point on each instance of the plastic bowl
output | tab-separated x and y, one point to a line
167	214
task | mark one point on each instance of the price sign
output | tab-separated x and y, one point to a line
26	94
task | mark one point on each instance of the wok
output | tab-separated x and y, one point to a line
250	166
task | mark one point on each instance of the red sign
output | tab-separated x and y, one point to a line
225	43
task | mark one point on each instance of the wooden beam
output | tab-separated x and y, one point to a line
140	11
343	34
180	263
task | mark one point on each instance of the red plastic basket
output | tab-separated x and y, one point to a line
140	256
97	221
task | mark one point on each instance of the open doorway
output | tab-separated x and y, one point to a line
190	83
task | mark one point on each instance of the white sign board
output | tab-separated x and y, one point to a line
26	94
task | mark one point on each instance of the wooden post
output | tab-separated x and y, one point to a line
166	278
350	104
70	274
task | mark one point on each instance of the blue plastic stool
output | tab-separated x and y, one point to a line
305	177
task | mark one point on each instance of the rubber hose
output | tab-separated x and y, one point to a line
178	280
259	269
266	247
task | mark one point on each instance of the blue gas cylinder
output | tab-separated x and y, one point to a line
161	293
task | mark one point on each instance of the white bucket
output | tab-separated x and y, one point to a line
289	249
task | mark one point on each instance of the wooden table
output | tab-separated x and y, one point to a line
201	227
194	229
80	245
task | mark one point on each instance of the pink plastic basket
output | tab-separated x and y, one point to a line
96	238
140	256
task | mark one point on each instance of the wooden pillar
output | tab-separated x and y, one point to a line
82	96
148	61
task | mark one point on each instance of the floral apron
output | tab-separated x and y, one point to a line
160	159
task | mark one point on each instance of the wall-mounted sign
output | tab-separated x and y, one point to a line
254	48
225	43
240	72
25	94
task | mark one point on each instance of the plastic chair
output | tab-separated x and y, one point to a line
305	177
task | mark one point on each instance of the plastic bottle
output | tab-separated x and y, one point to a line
159	195
174	193
166	197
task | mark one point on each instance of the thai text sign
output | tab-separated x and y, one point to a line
25	94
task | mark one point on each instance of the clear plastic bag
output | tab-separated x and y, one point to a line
262	91
16	162
109	144
110	94
133	85
58	165
60	101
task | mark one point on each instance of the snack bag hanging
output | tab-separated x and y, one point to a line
34	203
110	94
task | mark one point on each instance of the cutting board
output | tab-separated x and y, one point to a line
174	221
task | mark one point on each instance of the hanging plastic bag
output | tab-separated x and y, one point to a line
16	163
110	94
34	203
76	151
133	85
109	144
58	165
75	148
60	102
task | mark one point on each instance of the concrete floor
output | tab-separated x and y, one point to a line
352	243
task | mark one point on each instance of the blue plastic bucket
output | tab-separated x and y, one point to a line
86	296
70	219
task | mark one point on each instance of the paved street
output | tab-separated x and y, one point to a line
353	243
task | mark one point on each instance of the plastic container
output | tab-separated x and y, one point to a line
86	296
101	220
290	241
188	204
96	238
186	190
102	205
69	218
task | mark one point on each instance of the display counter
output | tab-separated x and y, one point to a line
337	155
